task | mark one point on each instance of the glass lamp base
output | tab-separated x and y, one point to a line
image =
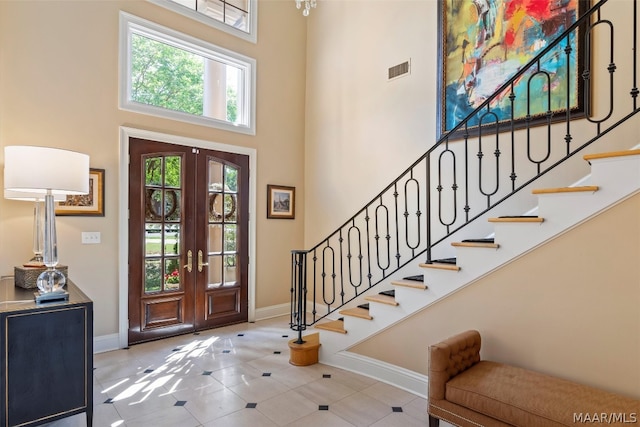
51	281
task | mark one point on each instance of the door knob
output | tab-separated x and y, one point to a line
200	263
189	264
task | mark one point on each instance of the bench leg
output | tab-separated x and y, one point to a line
433	421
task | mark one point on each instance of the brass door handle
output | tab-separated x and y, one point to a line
189	265
200	263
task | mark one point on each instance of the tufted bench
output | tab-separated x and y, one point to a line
467	391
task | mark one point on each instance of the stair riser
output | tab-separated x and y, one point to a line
620	174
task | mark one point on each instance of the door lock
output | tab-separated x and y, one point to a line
189	264
200	263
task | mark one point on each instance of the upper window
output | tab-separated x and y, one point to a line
169	74
237	17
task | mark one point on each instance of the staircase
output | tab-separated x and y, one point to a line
615	177
469	206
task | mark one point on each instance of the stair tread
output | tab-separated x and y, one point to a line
476	243
333	325
606	155
409	284
582	189
383	299
524	218
441	265
356	312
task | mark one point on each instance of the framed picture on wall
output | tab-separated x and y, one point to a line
483	43
91	204
281	202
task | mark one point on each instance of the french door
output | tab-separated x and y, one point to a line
188	239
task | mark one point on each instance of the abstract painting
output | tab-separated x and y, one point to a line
483	43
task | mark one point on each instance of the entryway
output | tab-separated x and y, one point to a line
188	243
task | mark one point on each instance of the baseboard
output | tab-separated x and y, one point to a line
396	376
273	311
105	343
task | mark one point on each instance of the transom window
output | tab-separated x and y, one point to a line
170	74
237	17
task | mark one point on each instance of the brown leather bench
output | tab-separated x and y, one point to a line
467	391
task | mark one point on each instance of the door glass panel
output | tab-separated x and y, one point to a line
171	274
152	278
229	270
215	238
215	271
153	171
152	240
163	231
223	229
230	235
172	239
172	205
173	174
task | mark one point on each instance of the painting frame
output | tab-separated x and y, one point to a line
91	204
281	202
450	100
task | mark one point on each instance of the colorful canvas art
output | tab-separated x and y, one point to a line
486	42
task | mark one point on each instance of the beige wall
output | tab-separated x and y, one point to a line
568	308
59	88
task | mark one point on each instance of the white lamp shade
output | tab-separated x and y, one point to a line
42	169
31	197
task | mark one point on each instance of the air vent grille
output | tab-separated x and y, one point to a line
399	70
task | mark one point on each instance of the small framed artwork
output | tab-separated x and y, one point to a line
91	204
281	202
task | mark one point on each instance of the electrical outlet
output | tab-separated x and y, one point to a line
90	237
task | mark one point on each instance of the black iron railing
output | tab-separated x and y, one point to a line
461	178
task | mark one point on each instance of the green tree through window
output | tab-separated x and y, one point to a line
169	77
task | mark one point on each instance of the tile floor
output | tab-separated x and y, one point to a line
237	376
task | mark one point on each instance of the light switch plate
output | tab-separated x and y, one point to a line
90	237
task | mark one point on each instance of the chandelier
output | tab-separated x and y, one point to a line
308	4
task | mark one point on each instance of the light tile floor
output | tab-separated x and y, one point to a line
237	376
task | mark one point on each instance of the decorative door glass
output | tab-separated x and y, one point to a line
162	192
223	224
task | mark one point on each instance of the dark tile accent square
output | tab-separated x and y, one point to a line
148	371
323	408
266	374
180	403
226	351
251	405
207	373
176	349
277	352
396	409
326	375
108	400
240	335
285	336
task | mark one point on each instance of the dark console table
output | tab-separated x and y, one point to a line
47	356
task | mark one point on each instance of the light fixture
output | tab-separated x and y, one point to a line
38	221
51	171
307	4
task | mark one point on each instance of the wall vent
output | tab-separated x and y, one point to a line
400	70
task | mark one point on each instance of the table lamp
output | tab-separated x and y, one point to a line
38	220
48	171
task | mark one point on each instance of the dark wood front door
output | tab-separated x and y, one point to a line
188	239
